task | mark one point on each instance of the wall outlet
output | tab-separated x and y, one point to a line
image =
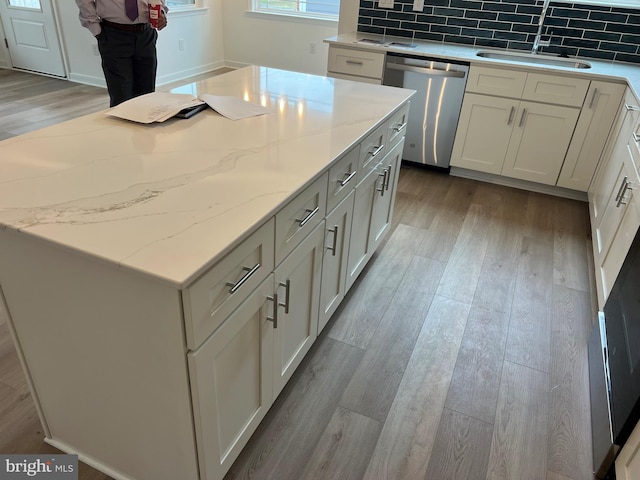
181	44
96	52
312	48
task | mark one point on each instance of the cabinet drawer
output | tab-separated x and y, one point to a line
355	62
397	126
216	294
496	81
342	178
300	216
555	89
372	149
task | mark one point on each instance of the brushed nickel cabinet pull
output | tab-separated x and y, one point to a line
310	214
354	62
384	182
333	247
376	150
400	127
622	185
524	113
631	108
347	179
636	137
287	289
623	200
243	280
386	185
593	98
513	110
274	319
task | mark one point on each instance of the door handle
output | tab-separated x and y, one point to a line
511	113
524	113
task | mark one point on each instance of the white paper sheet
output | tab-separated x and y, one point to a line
234	108
153	107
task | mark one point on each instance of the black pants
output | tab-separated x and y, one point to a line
129	62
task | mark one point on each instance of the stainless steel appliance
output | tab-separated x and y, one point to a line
614	365
434	112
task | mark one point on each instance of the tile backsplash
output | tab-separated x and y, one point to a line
604	33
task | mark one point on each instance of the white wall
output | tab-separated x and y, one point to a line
275	41
348	16
200	32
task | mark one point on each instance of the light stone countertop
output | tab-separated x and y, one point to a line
603	70
170	199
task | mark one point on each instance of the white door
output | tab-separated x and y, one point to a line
32	36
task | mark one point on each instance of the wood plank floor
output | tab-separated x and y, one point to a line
460	353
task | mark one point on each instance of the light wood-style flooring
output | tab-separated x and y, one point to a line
460	353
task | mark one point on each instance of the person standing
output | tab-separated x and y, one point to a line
127	44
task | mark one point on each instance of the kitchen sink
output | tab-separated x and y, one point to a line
531	58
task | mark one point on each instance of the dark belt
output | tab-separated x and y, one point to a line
135	27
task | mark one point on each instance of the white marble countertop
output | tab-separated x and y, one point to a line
604	70
170	199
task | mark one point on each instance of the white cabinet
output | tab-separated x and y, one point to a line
516	124
298	286
613	206
539	142
334	262
592	131
355	64
231	382
628	461
383	200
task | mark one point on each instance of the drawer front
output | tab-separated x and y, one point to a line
495	81
300	216
342	178
355	62
342	76
215	295
372	149
555	89
397	126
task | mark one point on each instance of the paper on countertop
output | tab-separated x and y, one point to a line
233	108
154	107
160	106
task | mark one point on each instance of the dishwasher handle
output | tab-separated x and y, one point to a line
428	71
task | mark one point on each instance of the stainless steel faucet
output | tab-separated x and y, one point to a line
537	43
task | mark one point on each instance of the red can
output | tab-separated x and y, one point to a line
155	10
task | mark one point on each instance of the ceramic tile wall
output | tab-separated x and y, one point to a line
606	33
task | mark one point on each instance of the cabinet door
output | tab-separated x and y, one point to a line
618	225
298	286
628	462
382	211
359	244
334	262
539	142
231	382
484	131
592	131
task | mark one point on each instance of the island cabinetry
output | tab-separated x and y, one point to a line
232	381
298	292
334	263
517	124
592	130
210	300
355	64
614	206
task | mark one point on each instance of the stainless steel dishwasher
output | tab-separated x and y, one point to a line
434	112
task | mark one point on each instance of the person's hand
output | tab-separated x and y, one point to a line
162	21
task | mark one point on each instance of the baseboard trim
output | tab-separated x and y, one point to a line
521	184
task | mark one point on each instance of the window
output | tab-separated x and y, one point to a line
329	9
180	3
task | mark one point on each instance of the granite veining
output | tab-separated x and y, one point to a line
170	199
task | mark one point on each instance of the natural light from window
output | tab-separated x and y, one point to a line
329	9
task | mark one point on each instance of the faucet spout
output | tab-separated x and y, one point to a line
538	42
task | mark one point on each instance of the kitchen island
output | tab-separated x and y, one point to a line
142	265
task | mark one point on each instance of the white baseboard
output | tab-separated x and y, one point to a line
88	80
236	65
522	184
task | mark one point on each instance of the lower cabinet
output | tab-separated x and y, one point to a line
334	262
628	461
298	286
232	382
